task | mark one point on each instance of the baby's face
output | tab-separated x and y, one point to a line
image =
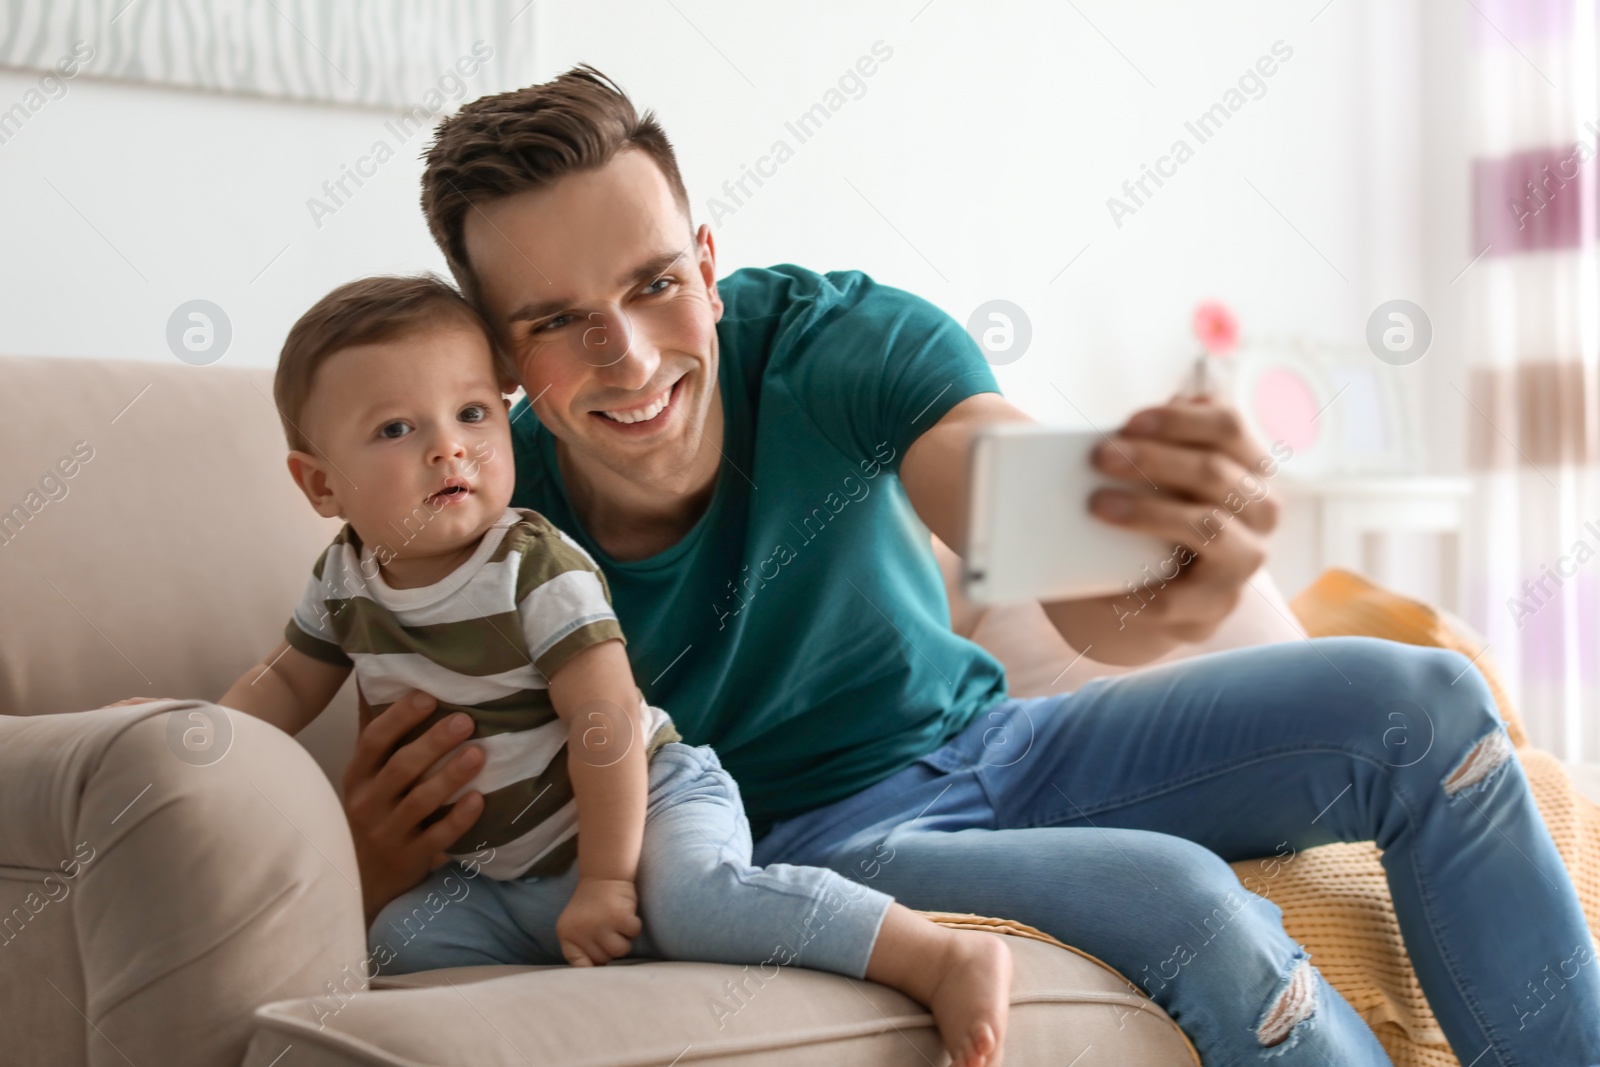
414	440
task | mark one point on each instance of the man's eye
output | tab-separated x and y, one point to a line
394	430
664	282
473	413
554	324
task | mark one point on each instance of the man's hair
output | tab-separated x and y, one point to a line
364	312
528	139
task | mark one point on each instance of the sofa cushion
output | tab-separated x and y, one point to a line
636	1013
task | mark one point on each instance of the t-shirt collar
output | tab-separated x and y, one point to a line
426	595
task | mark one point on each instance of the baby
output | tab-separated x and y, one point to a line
602	833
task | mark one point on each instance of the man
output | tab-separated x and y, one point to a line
756	463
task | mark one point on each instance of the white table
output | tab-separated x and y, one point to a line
1343	511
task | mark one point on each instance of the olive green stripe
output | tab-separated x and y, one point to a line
593	633
528	524
545	556
315	647
512	811
346	536
491	644
527	710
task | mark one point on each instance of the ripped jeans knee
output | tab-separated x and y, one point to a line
1489	754
1293	1003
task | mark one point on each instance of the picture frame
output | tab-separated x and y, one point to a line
1342	411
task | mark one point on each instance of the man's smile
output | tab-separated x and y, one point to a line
645	417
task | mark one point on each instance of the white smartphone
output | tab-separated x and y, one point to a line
1030	534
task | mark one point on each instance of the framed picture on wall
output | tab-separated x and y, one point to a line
396	55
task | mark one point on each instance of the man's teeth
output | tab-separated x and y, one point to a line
649	411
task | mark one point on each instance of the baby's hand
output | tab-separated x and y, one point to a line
600	922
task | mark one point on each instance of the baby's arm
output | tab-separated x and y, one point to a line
595	695
287	689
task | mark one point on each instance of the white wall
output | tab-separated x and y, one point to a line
976	165
993	137
122	202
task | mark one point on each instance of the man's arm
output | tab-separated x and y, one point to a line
1196	452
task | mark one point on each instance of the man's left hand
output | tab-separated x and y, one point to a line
1212	476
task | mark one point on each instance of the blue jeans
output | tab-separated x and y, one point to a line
699	897
1107	817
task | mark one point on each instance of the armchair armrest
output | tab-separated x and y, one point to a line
152	895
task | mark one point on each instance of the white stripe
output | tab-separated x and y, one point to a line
554	609
510	758
386	677
492	591
513	858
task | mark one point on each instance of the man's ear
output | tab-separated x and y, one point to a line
311	476
708	266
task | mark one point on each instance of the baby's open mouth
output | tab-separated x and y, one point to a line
450	494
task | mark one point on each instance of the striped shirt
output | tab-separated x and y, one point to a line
483	640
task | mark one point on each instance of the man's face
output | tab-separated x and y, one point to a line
610	308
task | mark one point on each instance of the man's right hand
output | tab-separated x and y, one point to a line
386	798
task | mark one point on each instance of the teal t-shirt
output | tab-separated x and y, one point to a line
800	627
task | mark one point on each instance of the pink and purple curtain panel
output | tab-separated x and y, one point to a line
1532	334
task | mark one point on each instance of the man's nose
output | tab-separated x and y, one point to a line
619	348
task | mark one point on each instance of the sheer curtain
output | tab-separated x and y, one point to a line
1533	331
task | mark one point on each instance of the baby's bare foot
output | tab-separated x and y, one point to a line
971	998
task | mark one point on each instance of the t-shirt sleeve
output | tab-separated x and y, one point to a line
563	601
879	366
310	629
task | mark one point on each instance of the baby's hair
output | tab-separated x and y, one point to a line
363	312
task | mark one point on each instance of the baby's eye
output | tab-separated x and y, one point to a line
394	430
473	413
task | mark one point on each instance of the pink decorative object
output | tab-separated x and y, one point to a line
1218	332
1216	328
